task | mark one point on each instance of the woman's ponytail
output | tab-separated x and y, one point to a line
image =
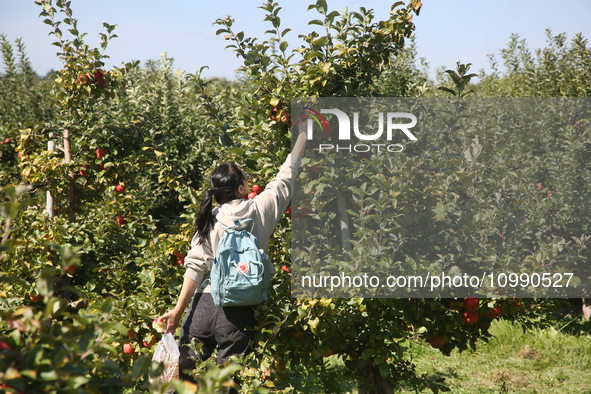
224	182
204	217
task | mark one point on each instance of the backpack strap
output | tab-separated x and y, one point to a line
237	224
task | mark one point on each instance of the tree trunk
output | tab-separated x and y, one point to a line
49	204
375	384
344	222
72	176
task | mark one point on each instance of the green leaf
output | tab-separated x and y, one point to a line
107	305
184	387
321	6
447	90
45	282
251	164
225	140
9	210
156	369
440	211
140	367
367	353
384	370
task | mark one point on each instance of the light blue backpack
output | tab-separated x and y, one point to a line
239	275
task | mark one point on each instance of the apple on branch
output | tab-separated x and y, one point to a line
101	152
128	349
119	188
471	304
471	318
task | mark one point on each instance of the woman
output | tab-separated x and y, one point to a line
204	322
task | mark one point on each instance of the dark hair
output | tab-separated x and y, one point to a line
223	183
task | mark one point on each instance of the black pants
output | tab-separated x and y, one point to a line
214	326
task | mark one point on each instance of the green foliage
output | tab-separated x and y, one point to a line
561	69
78	286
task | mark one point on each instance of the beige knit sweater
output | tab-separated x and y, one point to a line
265	209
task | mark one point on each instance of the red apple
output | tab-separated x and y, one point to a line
251	195
100	167
119	188
7	141
70	269
181	260
471	318
279	366
305	211
275	112
326	131
495	312
257	189
83	171
486	325
285	268
471	304
288	210
131	334
540	187
287	120
121	220
437	341
159	325
316	168
298	335
151	343
20	155
101	152
128	349
34	297
177	254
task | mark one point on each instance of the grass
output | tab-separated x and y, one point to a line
538	361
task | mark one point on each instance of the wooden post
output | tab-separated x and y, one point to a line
72	176
344	222
49	203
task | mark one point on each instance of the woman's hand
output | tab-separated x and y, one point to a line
300	144
171	318
301	120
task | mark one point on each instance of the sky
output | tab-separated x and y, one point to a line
447	31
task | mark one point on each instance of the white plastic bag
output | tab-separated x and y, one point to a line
167	352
